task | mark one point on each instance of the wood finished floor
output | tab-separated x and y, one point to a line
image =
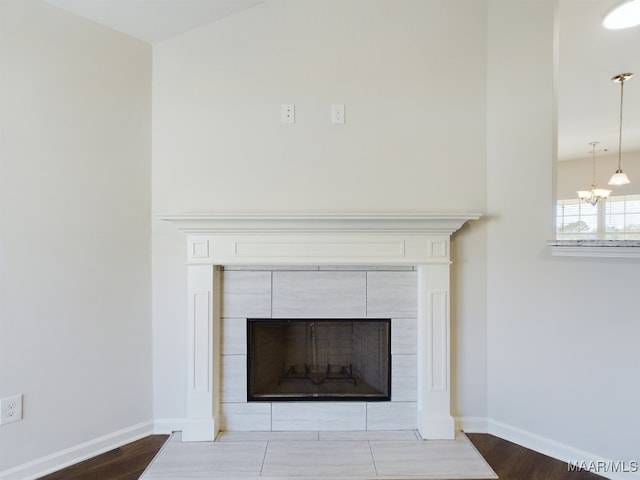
513	462
508	460
124	463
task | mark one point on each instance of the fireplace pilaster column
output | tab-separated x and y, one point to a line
434	386
203	333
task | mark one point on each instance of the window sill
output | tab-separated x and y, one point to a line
595	248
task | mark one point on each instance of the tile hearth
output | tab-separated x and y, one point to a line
323	455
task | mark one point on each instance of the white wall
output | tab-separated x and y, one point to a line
411	74
75	233
413	122
562	332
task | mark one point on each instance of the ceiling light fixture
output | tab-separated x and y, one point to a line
620	178
623	16
596	194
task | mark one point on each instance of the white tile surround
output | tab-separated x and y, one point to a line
309	293
334	245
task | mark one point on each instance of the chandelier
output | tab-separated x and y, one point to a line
595	194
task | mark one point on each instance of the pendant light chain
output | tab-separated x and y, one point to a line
593	161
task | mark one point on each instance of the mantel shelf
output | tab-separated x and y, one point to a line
441	223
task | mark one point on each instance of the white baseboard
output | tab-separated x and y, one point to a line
566	453
472	424
166	426
69	456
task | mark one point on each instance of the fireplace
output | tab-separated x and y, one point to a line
318	359
419	241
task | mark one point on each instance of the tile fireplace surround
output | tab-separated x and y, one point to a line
418	244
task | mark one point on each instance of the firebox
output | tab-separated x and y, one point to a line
318	359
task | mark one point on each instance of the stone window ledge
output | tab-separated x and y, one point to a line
595	248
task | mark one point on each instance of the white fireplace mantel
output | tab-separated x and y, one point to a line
308	223
418	240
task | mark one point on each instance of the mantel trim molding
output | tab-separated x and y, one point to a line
437	223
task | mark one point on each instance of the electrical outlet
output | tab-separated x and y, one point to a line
337	114
10	409
288	113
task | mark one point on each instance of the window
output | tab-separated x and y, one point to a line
576	219
623	217
616	219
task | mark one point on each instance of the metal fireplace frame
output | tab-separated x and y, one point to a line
252	397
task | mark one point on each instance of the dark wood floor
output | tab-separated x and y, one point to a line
508	460
513	462
124	463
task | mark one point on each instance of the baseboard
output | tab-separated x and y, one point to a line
69	456
612	469
471	424
193	429
166	426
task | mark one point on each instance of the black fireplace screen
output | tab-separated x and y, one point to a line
318	359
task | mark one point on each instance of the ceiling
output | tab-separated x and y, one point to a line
153	20
589	56
588	101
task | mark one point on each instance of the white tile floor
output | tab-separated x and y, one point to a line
319	456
